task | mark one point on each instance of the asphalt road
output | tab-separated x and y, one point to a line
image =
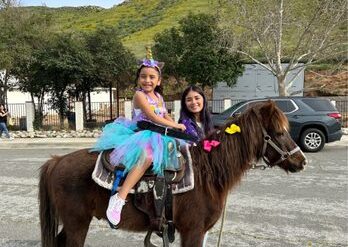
269	208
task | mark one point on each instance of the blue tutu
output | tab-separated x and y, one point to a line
131	147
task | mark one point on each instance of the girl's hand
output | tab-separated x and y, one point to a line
181	127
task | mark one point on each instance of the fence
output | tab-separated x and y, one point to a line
18	114
342	107
51	118
100	113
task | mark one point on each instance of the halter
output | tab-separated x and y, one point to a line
268	141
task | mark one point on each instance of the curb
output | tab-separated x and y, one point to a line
32	143
77	143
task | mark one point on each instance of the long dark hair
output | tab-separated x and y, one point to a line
159	88
204	115
3	105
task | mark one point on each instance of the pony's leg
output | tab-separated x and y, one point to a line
61	238
205	239
192	238
75	231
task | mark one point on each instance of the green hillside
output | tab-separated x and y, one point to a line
137	20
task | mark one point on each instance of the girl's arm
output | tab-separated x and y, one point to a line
166	116
3	114
141	102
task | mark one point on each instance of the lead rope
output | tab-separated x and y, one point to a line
222	222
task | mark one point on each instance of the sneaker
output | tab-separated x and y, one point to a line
113	212
11	138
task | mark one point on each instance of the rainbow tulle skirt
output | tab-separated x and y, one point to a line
132	147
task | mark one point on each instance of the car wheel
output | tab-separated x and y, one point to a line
312	140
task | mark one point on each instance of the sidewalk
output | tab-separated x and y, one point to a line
47	143
77	143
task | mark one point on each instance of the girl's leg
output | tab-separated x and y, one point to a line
118	200
133	177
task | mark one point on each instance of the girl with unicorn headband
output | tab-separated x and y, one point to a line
137	150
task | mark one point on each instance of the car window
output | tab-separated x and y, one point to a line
242	109
252	104
319	104
247	106
229	111
285	105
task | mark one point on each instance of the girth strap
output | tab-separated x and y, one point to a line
169	213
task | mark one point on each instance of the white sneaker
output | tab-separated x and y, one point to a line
113	212
11	138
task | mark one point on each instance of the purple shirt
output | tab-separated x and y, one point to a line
192	128
159	108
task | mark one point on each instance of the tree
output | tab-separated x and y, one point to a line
8	41
26	63
298	33
8	4
21	33
191	52
113	62
32	78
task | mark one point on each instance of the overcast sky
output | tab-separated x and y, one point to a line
71	3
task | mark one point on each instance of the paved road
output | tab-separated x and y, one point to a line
269	208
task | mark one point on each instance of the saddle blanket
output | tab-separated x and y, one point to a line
105	178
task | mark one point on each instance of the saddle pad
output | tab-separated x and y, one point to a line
105	178
187	182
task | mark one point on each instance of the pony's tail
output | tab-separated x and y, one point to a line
48	217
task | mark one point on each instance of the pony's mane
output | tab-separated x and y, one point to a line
224	166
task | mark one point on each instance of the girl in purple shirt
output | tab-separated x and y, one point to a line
194	113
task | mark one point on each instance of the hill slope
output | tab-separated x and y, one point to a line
137	20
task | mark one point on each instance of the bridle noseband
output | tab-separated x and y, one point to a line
268	141
283	154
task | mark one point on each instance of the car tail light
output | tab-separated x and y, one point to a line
336	115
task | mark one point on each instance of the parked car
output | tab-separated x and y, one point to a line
313	121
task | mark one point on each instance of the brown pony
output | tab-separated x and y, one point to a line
69	196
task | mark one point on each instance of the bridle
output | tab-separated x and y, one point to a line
267	140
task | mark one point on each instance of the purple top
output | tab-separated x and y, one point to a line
192	128
159	108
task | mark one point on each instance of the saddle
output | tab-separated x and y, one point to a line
152	193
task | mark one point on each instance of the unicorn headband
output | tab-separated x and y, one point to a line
149	61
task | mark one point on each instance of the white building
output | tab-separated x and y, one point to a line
257	82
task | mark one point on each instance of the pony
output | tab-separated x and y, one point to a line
68	195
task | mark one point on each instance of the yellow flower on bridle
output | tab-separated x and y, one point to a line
233	128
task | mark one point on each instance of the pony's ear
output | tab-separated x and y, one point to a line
267	111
